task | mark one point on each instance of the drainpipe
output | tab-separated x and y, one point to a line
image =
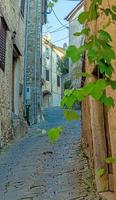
25	52
51	74
35	66
40	75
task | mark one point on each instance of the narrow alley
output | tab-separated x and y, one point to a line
57	100
33	169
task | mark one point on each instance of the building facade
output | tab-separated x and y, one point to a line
11	67
51	76
36	16
99	125
75	26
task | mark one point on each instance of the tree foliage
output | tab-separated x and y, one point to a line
63	65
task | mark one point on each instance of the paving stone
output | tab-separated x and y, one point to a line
33	169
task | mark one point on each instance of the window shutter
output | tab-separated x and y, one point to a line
22	7
3	30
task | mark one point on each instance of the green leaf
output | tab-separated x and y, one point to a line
68	92
110	160
103	35
72	53
83	32
100	172
50	5
107	101
69	100
71	115
54	133
93	11
99	88
114	8
107	11
113	16
107	53
88	88
105	68
83	17
93	48
113	84
80	95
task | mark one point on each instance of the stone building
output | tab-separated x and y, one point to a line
11	68
99	125
35	18
51	76
75	26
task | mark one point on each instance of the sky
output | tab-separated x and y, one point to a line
61	9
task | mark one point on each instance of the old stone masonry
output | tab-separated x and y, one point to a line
33	169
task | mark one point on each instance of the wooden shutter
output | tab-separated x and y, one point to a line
22	7
3	30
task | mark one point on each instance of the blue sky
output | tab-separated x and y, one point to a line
62	8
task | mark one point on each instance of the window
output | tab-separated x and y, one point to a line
47	75
3	30
27	89
22	7
47	53
58	81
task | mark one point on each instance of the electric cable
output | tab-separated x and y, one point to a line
61	39
64	25
58	19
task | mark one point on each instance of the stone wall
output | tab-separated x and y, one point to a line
10	12
33	59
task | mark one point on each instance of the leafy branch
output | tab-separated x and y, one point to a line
100	55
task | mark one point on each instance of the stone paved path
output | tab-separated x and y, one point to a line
33	169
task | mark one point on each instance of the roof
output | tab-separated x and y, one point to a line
54	47
75	10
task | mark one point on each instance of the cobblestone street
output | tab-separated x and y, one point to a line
33	169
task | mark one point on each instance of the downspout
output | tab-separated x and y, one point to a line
51	74
40	75
35	67
25	52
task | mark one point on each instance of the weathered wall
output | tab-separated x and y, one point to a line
10	11
103	134
51	55
87	131
33	58
75	26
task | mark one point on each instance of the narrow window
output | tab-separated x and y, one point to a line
58	81
47	53
22	8
47	75
3	30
